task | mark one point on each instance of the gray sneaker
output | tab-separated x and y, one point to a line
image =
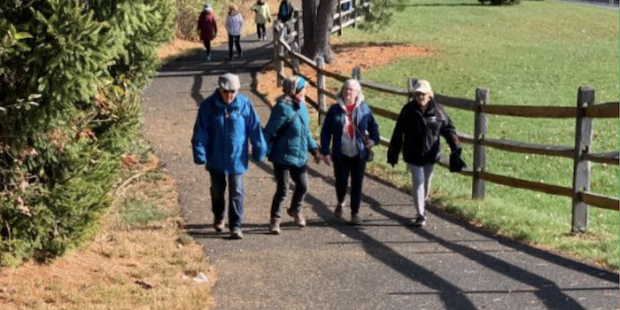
218	225
274	226
356	219
298	217
236	234
419	221
338	210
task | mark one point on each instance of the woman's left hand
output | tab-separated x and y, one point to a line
369	144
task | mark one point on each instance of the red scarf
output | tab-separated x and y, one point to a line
349	110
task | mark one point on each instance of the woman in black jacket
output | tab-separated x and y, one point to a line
417	131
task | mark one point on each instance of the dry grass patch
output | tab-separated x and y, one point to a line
128	265
347	57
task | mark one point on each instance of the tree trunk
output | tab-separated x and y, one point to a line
322	29
309	17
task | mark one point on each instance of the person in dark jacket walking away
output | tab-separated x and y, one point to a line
417	131
226	121
234	27
285	14
285	11
289	139
348	135
263	16
208	28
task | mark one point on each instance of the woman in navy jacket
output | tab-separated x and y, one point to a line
288	135
348	135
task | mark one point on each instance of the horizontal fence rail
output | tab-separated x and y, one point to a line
584	114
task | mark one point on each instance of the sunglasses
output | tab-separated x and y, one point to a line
226	91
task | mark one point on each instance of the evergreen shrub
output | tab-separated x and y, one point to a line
71	72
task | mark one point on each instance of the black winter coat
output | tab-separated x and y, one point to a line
417	134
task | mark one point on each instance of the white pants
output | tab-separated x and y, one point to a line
421	177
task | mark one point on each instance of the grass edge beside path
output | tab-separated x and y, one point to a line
139	259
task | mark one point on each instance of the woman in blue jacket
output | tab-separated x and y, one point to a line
289	139
348	135
226	121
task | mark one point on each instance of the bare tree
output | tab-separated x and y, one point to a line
318	19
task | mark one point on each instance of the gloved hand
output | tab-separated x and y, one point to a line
456	163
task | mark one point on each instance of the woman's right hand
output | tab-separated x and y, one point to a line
327	159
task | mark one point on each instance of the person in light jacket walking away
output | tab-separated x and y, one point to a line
226	121
234	27
208	28
263	16
288	135
417	131
348	135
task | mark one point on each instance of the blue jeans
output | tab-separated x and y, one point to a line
354	167
284	174
235	198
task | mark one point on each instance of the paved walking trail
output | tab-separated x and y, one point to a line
384	264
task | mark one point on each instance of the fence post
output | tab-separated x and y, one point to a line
581	167
276	36
280	64
480	131
339	9
356	73
295	59
297	29
354	6
320	81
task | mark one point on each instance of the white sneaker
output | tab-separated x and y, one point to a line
274	226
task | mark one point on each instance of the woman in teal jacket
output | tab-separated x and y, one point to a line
289	139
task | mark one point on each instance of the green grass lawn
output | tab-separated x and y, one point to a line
535	53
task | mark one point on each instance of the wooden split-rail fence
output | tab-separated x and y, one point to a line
286	53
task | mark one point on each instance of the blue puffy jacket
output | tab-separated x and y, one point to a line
292	146
333	125
221	134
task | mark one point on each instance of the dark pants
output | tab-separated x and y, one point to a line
235	198
284	174
207	44
354	167
235	40
261	31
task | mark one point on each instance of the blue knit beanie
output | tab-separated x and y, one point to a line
301	82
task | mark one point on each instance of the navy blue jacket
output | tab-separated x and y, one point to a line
333	125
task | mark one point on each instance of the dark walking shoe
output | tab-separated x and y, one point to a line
298	217
236	234
338	210
218	225
419	221
274	226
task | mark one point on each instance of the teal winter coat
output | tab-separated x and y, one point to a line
221	134
292	146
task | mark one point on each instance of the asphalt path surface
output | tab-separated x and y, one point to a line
384	264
